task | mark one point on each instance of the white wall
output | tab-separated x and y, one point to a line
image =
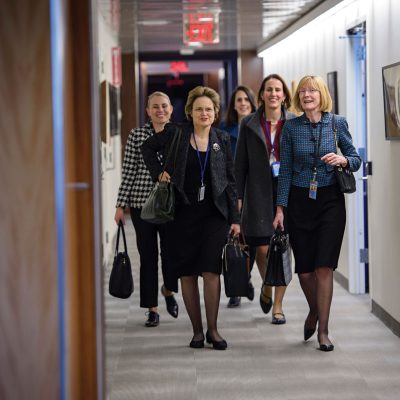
110	152
318	51
383	33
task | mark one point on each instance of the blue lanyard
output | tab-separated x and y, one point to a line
202	167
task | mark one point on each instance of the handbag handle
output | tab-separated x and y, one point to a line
334	128
120	228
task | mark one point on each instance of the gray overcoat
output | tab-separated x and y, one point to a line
253	176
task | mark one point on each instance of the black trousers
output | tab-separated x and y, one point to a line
147	245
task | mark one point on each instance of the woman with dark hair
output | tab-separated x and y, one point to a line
257	169
315	205
135	187
241	104
205	209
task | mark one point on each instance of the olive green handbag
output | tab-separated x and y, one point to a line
160	205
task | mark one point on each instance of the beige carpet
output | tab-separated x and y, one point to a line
263	361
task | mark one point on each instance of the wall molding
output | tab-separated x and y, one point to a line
386	318
341	280
376	309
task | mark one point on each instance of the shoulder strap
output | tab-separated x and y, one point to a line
173	147
334	128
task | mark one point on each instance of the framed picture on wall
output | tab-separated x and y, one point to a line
332	86
391	100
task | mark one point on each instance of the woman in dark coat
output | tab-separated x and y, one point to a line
256	169
206	207
241	104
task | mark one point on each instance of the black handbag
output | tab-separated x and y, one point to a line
121	281
344	176
279	260
235	268
159	207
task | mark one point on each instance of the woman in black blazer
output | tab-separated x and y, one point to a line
206	205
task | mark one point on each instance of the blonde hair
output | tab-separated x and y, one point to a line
313	82
201	91
157	94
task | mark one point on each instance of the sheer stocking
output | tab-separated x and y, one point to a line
318	289
308	283
191	298
212	293
261	260
324	299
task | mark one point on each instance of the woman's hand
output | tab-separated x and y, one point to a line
279	217
235	229
119	215
334	159
164	177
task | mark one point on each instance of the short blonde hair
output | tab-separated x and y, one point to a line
313	82
201	91
162	94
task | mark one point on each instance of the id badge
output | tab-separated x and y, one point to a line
312	193
275	168
202	191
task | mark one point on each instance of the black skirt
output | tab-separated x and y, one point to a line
196	238
197	235
316	227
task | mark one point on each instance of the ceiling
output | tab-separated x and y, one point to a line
157	25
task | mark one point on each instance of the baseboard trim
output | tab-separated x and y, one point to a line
386	318
341	280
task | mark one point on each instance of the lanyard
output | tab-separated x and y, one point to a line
202	167
268	135
316	150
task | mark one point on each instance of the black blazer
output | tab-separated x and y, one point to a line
221	165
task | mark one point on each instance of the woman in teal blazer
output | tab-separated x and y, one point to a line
307	186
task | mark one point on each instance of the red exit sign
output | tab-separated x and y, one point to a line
201	28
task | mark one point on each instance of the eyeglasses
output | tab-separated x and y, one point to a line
311	91
206	110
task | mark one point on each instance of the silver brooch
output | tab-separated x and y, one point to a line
216	147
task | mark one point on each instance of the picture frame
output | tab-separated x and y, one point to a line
333	90
109	111
391	100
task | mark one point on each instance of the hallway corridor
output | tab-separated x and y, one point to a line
263	361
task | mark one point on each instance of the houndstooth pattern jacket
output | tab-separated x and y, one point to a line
136	181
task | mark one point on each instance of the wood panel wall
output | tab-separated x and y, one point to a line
79	213
252	70
29	358
29	336
130	119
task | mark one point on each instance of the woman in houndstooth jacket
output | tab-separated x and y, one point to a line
134	189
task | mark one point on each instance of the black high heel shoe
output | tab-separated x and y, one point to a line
197	344
308	332
171	304
217	344
326	347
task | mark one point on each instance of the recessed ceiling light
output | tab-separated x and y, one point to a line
153	22
186	51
